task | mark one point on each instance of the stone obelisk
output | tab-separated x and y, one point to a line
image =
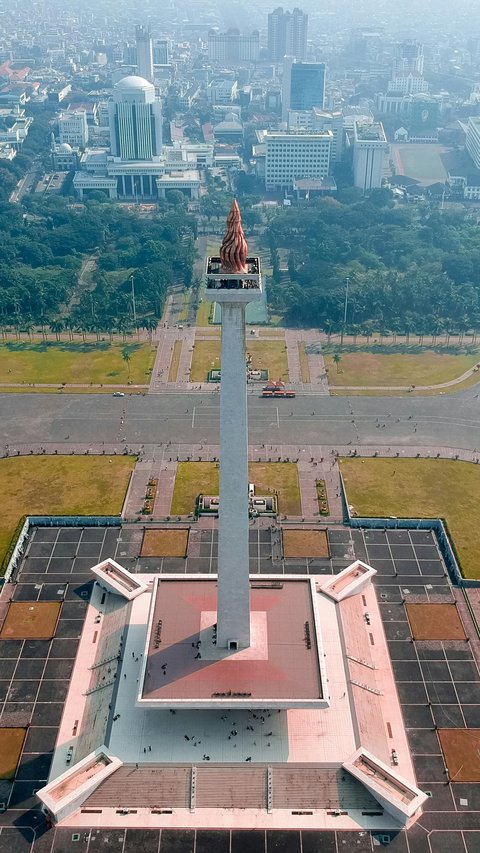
233	280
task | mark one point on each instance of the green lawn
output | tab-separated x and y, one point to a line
421	488
266	355
194	478
60	485
426	367
73	362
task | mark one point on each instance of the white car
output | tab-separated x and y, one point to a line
118	394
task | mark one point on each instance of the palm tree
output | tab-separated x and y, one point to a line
127	359
56	326
336	360
150	323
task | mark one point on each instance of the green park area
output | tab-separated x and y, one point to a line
60	485
194	478
68	362
266	355
420	488
379	366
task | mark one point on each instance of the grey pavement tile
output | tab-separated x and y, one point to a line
406	670
44	534
447	842
397	630
384	567
468	692
360	842
280	841
66	648
66	550
22	795
470	793
52	592
73	610
40	739
423	742
34	767
441	693
93	534
426	552
26	592
141	841
212	841
464	671
7	667
69	628
432	568
177	841
69	534
429	768
411	692
378	552
398	537
57	668
4	687
52	691
40	549
441	799
448	716
402	552
417	716
432	650
47	713
457	651
436	670
472	716
253	841
12	711
422	537
22	691
30	668
406	567
375	537
10	648
393	612
401	650
472	841
36	564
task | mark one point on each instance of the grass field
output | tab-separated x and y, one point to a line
194	478
30	620
60	485
305	543
164	543
421	488
65	362
203	313
426	367
11	744
175	362
266	355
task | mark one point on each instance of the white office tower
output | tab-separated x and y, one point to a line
233	280
295	154
73	128
143	39
369	148
135	119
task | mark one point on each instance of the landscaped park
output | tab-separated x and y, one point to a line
194	478
60	485
65	363
420	488
266	355
399	365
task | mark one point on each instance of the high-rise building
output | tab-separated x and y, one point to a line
73	128
135	118
143	39
233	46
408	59
320	120
160	52
287	34
303	86
295	154
369	147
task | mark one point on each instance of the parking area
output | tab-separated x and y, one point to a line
438	684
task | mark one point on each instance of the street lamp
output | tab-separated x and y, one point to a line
345	309
133	300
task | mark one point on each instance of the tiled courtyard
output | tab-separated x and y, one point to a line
437	681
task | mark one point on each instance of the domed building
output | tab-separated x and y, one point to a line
135	118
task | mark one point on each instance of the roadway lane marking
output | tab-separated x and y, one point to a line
193	418
278	420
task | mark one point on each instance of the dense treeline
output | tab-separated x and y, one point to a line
42	283
409	269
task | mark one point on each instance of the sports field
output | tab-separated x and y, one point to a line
423	162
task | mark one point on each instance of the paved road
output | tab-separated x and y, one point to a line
450	421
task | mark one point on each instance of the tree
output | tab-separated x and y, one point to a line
336	360
127	359
56	326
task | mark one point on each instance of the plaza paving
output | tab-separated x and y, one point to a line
437	682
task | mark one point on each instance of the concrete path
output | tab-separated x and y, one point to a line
316	364
166	484
293	357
